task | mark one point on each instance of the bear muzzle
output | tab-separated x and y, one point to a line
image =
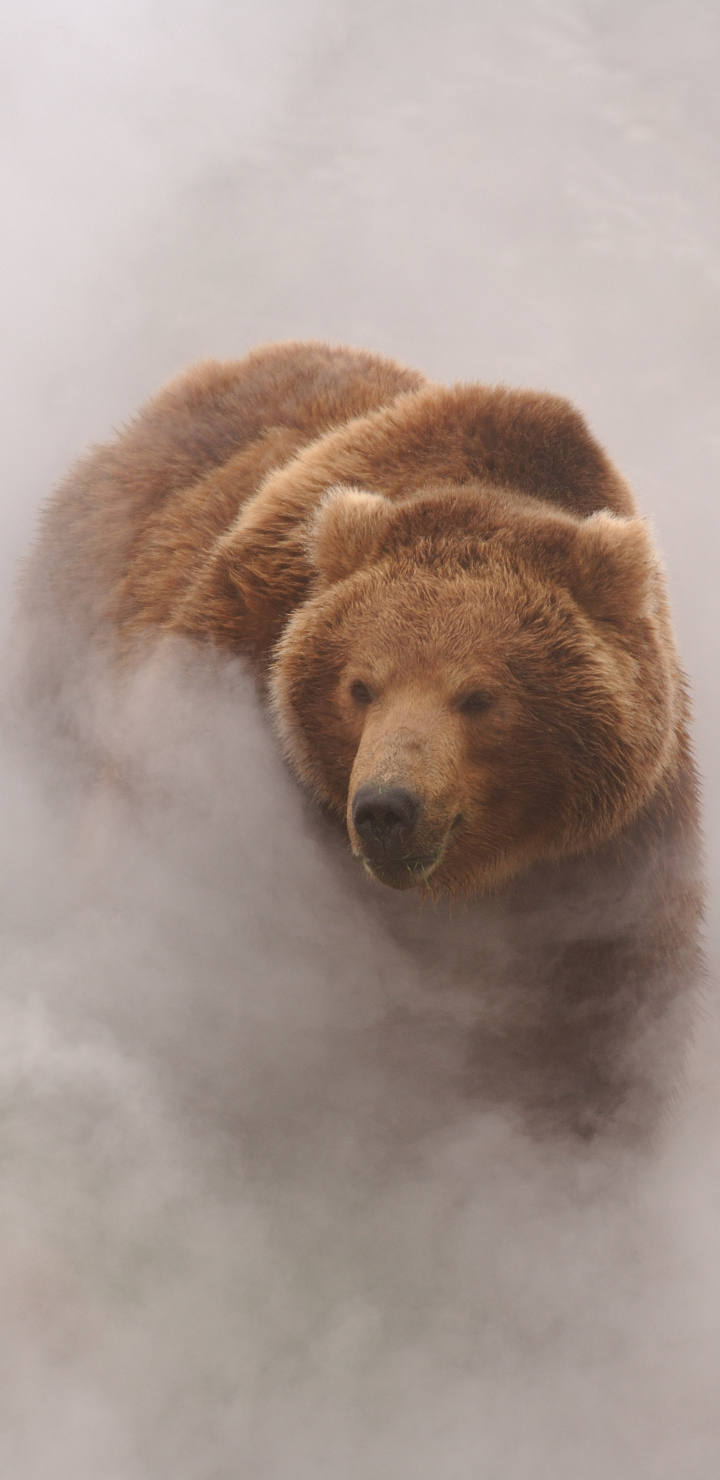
386	823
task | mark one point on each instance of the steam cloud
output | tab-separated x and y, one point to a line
253	1221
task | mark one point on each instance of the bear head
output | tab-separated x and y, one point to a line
476	681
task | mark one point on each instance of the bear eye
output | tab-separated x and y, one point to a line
360	692
476	702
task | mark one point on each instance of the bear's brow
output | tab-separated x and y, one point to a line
441	549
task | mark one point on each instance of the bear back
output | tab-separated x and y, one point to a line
433	437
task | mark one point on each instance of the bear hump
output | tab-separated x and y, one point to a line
536	443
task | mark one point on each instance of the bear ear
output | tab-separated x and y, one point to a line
614	567
346	531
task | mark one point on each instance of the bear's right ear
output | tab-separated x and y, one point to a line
346	531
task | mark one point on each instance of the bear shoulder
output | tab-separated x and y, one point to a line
122	538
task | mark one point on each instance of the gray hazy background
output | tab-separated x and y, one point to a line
241	1237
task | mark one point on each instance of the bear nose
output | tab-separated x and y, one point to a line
384	819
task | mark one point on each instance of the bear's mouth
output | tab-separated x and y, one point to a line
403	873
410	870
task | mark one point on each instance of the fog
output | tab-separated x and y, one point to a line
253	1223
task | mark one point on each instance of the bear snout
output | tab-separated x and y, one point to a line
385	818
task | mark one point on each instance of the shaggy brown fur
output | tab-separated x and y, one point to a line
459	619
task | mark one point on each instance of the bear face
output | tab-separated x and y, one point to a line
476	683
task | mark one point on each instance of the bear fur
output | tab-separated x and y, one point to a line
461	628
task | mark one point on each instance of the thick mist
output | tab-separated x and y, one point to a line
254	1221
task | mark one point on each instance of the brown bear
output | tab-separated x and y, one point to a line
459	622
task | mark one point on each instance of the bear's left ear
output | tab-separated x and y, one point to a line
614	566
346	531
